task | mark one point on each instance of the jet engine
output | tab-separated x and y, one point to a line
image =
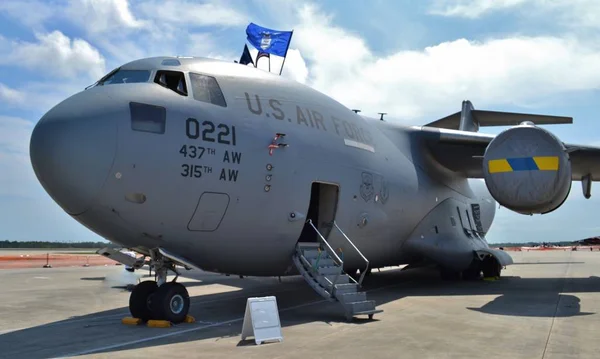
527	169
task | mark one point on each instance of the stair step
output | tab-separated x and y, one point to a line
342	279
327	277
351	297
322	262
314	254
346	288
362	306
369	312
329	270
315	285
306	245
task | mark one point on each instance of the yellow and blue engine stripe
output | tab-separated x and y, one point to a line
537	163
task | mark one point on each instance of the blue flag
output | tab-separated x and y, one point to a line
268	40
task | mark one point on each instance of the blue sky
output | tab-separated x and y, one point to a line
416	60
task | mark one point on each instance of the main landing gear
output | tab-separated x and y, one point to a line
160	300
490	267
487	266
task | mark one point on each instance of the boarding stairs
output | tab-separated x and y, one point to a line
323	270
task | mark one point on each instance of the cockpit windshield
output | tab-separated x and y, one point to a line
125	76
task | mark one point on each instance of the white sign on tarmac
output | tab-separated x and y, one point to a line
261	320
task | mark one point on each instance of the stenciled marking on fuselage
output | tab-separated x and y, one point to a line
374	186
535	163
226	135
311	118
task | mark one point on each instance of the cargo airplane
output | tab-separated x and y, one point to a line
199	163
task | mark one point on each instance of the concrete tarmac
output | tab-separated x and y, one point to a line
544	306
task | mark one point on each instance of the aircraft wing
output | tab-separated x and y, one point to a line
462	152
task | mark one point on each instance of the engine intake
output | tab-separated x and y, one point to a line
527	170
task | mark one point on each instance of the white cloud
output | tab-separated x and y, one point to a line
472	8
17	176
55	54
183	13
100	16
11	96
29	12
46	95
15	135
570	13
202	45
295	66
127	30
433	81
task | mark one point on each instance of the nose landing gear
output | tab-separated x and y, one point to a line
160	300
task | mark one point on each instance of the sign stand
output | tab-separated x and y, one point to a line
261	320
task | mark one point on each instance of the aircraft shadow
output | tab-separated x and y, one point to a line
220	315
516	305
538	263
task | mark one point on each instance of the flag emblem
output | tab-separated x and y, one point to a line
265	42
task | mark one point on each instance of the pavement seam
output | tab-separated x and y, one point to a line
562	289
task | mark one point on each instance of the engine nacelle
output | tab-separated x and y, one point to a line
527	170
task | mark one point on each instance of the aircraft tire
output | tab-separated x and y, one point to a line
170	302
138	300
491	267
473	272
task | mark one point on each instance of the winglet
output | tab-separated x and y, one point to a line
470	119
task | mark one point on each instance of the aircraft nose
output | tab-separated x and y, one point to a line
72	149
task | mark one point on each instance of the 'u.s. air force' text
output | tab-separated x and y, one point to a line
308	117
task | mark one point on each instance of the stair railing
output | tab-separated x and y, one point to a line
362	274
331	253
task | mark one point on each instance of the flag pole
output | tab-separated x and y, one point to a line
286	51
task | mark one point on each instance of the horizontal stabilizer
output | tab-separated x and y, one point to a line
470	119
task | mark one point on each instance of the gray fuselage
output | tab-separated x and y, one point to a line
209	190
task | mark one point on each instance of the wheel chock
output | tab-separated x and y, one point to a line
159	323
189	319
131	321
489	279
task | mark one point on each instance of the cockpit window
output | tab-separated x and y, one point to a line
206	89
173	80
126	77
